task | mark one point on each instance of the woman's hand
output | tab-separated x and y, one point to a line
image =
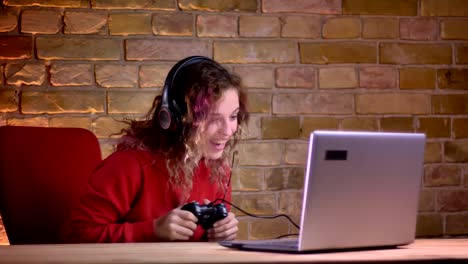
224	229
175	225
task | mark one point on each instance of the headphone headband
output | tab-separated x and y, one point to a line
170	113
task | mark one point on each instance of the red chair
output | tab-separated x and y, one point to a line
43	172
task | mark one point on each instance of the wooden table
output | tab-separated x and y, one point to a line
422	251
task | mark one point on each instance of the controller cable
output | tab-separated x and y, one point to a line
259	216
249	214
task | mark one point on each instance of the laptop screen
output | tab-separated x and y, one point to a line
361	189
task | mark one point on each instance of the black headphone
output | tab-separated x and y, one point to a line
170	113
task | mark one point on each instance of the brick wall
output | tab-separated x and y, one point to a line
387	65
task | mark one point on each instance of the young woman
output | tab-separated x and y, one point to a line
176	156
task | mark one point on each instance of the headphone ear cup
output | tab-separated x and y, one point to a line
170	114
165	118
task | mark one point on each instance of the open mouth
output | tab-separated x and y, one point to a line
218	145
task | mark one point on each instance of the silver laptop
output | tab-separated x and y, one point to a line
361	190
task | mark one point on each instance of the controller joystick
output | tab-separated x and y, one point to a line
207	214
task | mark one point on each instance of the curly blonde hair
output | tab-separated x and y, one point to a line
201	86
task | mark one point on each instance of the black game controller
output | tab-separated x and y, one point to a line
207	214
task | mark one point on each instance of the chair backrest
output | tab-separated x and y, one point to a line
43	172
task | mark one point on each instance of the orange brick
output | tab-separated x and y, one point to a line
259	204
71	75
338	52
85	22
460	127
293	77
387	103
165	49
434	127
456	151
222	6
296	153
454	29
359	124
294	178
173	24
409	53
28	121
337	78
268	228
78	48
140	4
129	102
250	179
56	102
442	175
375	28
444	8
313	103
235	180
397	124
452	200
462	54
452	79
280	127
429	225
129	24
377	77
243	232
49	3
271	153
108	75
41	21
256	76
309	124
153	75
8	101
457	224
266	51
465	177
302	6
13	47
25	74
342	27
253	128
259	26
108	126
290	203
82	122
426	201
259	102
381	7
419	28
433	152
274	179
224	26
417	78
450	104
8	21
300	27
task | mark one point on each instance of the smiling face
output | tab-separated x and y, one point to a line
220	125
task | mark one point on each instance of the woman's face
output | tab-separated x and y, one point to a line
220	125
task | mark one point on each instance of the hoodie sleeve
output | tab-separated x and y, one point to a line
110	193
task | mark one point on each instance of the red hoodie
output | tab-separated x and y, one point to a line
126	193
